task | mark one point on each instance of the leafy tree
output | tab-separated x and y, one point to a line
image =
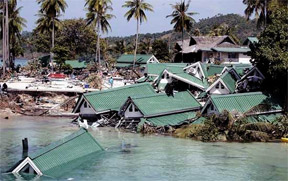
182	19
16	24
137	10
161	50
145	46
270	55
49	11
61	54
78	38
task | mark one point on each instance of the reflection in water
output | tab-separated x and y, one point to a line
150	157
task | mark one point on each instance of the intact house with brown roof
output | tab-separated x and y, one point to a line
210	49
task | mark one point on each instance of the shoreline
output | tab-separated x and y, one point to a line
6	114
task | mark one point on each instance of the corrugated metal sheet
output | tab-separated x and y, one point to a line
113	99
76	64
157	68
130	58
269	118
229	81
73	147
243	102
163	104
172	120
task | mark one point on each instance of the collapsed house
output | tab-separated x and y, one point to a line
106	104
210	49
58	157
254	105
159	109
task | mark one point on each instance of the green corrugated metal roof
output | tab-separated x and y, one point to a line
128	58
172	119
214	69
156	69
229	81
76	64
242	102
270	118
72	147
163	104
122	65
232	50
112	99
253	39
191	78
149	78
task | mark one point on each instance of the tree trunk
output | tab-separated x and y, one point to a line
136	44
53	37
182	45
98	43
4	42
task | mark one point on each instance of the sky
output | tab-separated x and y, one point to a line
157	21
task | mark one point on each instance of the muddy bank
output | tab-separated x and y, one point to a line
35	104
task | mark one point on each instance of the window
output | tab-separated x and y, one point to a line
217	86
232	55
212	107
163	76
85	104
131	108
167	76
222	86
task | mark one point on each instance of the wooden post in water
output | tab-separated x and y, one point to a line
25	148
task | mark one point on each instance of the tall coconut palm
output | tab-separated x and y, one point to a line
182	19
137	10
99	17
262	9
16	24
52	9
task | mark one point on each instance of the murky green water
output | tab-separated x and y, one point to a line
152	158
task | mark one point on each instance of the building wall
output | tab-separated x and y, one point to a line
197	71
211	109
219	90
86	108
244	59
131	112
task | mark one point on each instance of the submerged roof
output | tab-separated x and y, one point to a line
242	102
76	64
129	58
70	148
162	104
113	99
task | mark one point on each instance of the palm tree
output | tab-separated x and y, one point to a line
99	17
224	29
182	19
262	9
137	10
16	24
52	9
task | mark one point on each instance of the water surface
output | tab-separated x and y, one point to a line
151	157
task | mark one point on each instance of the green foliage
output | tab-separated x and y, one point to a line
160	50
61	54
137	10
270	54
